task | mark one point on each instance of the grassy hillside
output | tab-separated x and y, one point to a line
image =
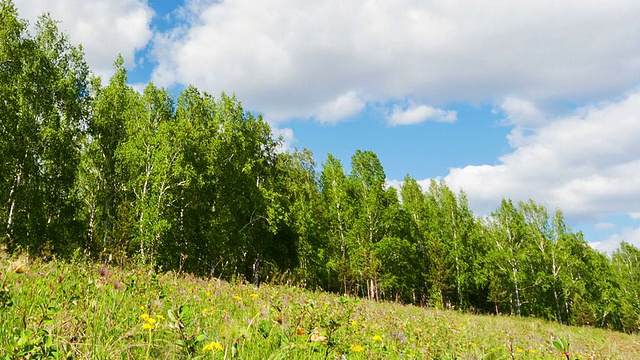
88	311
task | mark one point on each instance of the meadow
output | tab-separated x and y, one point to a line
84	310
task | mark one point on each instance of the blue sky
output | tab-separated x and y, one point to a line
514	99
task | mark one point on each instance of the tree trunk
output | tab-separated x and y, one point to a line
517	290
256	270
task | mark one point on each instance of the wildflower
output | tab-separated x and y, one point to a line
377	338
253	296
213	346
299	331
354	323
356	348
533	351
474	344
519	350
149	322
141	307
237	297
160	317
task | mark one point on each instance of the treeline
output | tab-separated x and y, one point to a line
197	184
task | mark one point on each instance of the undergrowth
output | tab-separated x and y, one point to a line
83	310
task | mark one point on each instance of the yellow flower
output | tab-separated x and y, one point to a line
144	316
253	296
141	307
213	346
519	350
151	321
237	297
148	326
356	348
160	317
473	344
354	323
532	351
377	338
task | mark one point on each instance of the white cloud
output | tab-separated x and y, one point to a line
586	164
287	137
524	116
105	28
415	114
629	235
344	106
289	57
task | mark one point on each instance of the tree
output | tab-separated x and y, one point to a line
373	207
43	84
508	232
414	204
299	194
337	209
626	267
114	106
148	161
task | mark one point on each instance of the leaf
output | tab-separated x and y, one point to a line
558	345
172	315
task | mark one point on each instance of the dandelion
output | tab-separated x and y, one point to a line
213	346
356	348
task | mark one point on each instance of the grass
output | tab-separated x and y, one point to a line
89	311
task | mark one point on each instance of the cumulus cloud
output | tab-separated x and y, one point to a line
629	235
344	106
289	57
521	112
415	114
586	164
105	28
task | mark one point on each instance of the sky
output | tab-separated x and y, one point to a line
503	99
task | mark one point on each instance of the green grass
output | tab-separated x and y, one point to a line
87	311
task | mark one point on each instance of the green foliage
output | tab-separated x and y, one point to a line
43	84
197	185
